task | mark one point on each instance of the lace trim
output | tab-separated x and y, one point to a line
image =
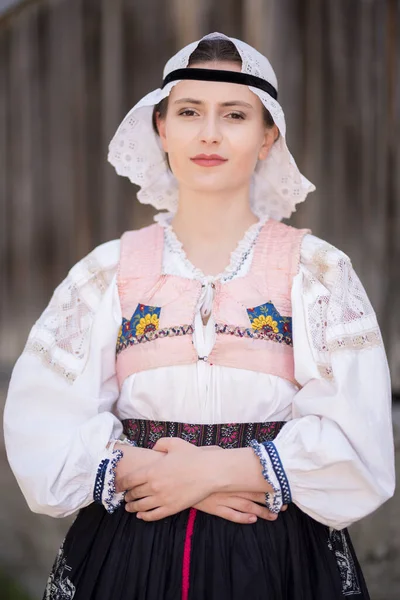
99	481
325	371
334	296
60	337
273	500
104	486
279	472
237	258
38	349
112	500
370	339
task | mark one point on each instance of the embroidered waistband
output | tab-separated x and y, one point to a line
228	435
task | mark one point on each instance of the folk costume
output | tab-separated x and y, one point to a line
281	351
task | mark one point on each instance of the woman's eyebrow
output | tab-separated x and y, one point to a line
225	104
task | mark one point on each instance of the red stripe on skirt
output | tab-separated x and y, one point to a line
187	553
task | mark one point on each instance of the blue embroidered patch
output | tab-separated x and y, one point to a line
144	327
144	321
266	319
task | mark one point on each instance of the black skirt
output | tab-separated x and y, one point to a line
196	556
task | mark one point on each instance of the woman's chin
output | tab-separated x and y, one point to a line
212	184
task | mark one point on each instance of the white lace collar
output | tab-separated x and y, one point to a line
237	259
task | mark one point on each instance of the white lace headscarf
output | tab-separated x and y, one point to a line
136	151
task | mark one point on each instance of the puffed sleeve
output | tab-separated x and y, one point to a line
59	423
335	458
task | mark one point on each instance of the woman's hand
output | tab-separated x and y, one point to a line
133	460
159	488
241	507
178	480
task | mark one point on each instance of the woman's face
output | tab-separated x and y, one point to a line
214	118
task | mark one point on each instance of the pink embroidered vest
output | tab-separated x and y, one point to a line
252	313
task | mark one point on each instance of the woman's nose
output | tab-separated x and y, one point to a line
211	130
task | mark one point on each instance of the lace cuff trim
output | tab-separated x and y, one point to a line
279	471
104	487
274	474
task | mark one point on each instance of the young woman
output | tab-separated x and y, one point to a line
215	328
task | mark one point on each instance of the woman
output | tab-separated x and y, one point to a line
276	358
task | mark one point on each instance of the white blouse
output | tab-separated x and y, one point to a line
64	405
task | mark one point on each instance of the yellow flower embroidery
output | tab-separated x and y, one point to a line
263	322
147	324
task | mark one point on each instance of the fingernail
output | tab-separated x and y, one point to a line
252	519
138	516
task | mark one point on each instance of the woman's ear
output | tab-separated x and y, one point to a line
161	131
270	137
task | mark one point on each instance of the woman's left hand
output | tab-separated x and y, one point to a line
179	480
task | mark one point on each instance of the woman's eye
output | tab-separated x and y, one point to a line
188	112
236	116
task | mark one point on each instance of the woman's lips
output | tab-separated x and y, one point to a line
209	162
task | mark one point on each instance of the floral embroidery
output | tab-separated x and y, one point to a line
265	323
144	327
338	544
147	324
227	435
265	318
144	320
59	586
190	433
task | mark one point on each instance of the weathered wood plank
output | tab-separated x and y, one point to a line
6	289
112	91
21	148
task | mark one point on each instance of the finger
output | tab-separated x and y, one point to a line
142	505
131	480
153	515
141	491
235	515
250	507
284	507
254	496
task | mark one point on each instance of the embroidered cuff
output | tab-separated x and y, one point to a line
104	486
279	471
274	476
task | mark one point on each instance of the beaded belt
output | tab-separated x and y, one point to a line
228	435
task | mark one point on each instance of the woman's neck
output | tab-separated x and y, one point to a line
210	227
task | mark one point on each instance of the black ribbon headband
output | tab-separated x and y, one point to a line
218	75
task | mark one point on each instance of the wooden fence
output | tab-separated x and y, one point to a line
69	71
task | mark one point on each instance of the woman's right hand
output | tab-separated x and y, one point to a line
134	459
241	507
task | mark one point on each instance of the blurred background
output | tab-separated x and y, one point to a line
71	69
